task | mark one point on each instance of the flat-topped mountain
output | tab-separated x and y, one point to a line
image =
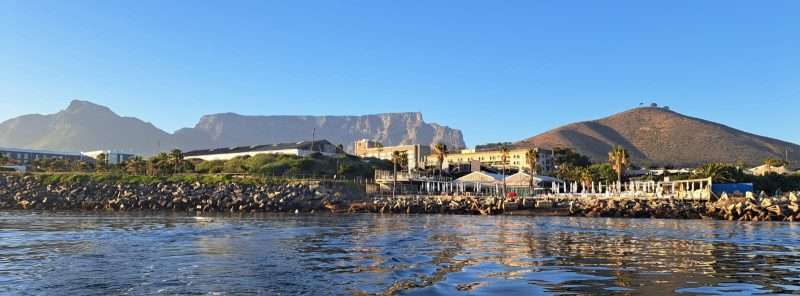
658	136
87	126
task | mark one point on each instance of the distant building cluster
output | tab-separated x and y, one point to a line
491	156
19	159
416	154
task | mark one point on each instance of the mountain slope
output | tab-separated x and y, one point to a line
82	126
86	126
391	129
657	136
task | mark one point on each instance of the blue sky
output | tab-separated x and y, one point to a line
497	70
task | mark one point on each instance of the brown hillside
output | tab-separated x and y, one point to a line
657	136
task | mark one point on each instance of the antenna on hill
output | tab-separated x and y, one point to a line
786	153
313	138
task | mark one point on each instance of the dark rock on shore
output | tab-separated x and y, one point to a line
631	208
28	193
749	208
444	204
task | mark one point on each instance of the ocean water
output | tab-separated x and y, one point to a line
146	254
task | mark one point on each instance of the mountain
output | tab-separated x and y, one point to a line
86	126
658	136
391	129
83	126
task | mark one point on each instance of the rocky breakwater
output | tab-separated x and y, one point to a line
761	208
17	192
444	204
747	208
637	208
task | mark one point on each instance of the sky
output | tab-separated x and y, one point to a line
497	70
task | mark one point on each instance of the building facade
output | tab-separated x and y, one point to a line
303	148
494	158
112	157
417	154
27	156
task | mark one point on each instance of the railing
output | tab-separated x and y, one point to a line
404	176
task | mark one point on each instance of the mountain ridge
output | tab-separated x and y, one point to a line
657	137
84	125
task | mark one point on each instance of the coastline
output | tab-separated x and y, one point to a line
19	192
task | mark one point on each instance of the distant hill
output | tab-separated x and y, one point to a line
657	136
86	126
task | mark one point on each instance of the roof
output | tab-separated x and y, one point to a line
522	178
482	177
39	151
303	145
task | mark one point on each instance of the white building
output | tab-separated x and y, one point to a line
303	148
112	157
27	156
416	154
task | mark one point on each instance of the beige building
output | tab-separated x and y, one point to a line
494	158
417	154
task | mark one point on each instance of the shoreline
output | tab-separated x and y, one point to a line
28	193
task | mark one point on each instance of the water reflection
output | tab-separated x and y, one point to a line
370	254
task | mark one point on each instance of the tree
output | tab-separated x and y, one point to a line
176	159
3	159
603	172
440	151
532	157
618	158
158	164
340	149
586	177
102	162
719	173
135	165
775	162
570	157
504	152
397	159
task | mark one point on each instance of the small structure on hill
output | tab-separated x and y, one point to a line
767	169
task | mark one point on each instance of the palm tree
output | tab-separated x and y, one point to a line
504	151
102	162
158	164
619	160
176	159
532	157
135	165
586	177
774	162
440	151
397	158
718	172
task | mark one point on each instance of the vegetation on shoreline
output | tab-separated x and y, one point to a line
121	178
574	167
174	168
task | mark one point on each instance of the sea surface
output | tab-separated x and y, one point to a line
145	254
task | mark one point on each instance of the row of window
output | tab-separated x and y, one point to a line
34	156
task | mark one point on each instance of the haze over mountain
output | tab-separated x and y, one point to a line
86	126
658	136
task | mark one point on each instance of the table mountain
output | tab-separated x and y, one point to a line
657	136
87	126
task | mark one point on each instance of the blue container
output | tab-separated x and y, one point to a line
732	188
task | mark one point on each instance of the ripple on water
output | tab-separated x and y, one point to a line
101	254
